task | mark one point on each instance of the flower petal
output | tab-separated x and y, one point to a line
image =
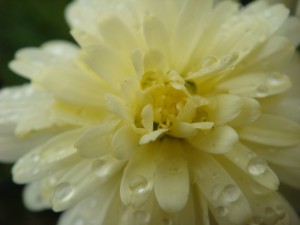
83	179
30	62
224	108
14	147
103	60
56	154
254	166
171	182
82	88
218	140
152	136
125	143
224	195
137	180
93	208
272	131
95	142
256	85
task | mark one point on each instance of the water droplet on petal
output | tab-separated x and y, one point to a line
231	193
35	157
257	166
63	191
101	167
262	91
222	211
275	78
208	61
141	217
138	184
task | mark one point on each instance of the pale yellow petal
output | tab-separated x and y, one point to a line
14	147
171	181
30	62
103	60
137	180
33	198
82	88
218	140
152	136
56	154
253	165
125	143
272	131
82	179
96	141
224	108
116	33
250	111
222	192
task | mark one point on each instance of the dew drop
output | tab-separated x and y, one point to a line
63	191
101	167
231	193
35	157
222	211
275	79
208	61
257	166
262	91
138	184
141	217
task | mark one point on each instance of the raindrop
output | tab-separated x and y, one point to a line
208	61
222	211
35	157
257	166
275	79
138	184
262	91
141	217
231	193
101	167
63	191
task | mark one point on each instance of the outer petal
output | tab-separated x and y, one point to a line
272	131
228	203
137	181
14	147
30	62
171	182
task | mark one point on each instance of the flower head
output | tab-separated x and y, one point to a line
168	112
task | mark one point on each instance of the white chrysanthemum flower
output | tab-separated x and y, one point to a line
169	112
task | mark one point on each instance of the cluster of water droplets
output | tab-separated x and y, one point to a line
224	196
273	215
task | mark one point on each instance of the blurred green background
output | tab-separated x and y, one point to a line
26	23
